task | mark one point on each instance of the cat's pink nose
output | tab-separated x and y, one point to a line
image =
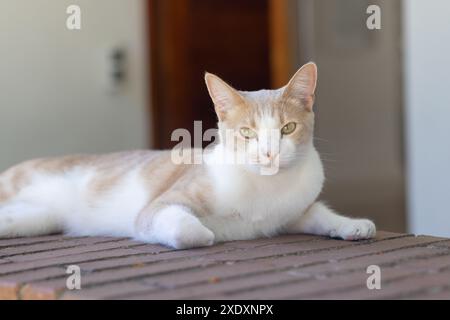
269	155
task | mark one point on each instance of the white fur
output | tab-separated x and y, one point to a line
249	205
61	202
275	192
246	206
177	227
321	220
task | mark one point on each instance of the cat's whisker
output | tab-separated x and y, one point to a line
321	139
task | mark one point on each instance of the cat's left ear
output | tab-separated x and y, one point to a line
302	85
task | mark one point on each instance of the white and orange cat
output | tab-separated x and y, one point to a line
146	196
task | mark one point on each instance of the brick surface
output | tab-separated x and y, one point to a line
9	290
5	243
285	267
49	246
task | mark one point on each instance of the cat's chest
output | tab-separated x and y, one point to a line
261	205
245	207
246	215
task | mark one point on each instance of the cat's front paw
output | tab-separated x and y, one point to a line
356	229
192	235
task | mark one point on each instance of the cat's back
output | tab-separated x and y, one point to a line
95	173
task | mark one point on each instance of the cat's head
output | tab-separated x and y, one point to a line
269	129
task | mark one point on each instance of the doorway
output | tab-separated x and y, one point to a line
248	45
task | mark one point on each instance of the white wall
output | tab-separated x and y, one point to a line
358	107
427	109
52	97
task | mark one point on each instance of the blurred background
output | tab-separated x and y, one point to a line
134	72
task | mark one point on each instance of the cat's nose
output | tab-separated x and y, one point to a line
270	155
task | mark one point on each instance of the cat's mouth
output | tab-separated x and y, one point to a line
268	166
269	161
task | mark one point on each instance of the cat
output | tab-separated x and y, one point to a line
146	196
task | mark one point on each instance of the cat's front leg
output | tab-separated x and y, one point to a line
174	226
321	220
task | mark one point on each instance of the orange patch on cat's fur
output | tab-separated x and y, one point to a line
4	196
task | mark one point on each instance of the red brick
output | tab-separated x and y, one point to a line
9	290
290	266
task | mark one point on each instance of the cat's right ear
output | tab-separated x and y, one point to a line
225	98
302	85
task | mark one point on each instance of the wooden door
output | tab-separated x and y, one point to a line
234	40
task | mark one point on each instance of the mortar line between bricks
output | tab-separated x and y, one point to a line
175	259
350	287
171	260
119	268
59	264
231	249
34	240
258	273
60	248
168	251
37	241
19	292
344	272
322	262
234	277
418	293
393	280
61	291
264	257
439	270
390	265
301	280
63	238
356	244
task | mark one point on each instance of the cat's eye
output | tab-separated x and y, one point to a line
247	133
289	128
